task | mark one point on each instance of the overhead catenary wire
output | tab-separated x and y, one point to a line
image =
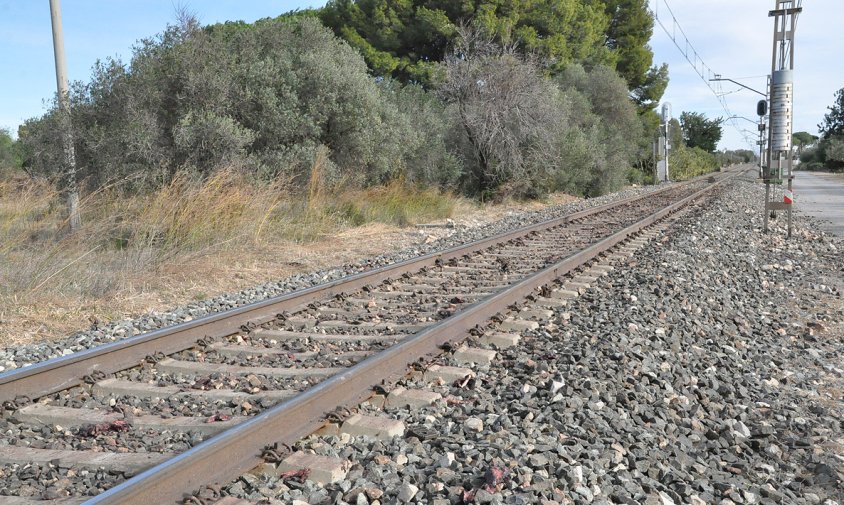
691	54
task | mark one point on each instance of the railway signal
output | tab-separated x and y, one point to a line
778	170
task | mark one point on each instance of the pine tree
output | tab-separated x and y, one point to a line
833	121
405	39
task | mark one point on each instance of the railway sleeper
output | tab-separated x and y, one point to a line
254	350
191	367
466	355
359	425
310	324
47	415
446	373
19	500
403	397
518	325
278	334
128	463
120	387
231	500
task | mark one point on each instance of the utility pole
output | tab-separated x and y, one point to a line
69	175
663	145
781	91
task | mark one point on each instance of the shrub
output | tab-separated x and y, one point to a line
504	111
272	97
610	132
834	150
685	163
208	141
262	97
9	152
426	132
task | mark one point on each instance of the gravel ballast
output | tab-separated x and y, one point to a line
708	369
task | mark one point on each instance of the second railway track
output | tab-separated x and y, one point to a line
217	391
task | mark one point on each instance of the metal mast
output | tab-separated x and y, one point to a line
781	93
663	145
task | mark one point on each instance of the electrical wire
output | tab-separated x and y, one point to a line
704	71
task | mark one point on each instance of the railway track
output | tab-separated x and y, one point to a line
216	392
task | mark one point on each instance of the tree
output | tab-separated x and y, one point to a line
9	156
735	156
505	110
406	39
835	152
701	132
833	121
648	94
630	29
397	38
261	98
803	139
675	134
618	130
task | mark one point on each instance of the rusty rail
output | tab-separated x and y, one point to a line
67	371
235	451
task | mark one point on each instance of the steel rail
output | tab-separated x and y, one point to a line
232	453
65	372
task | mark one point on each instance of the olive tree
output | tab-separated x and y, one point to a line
505	111
263	97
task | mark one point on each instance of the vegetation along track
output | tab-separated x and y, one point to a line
224	387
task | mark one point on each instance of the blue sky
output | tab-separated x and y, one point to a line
733	37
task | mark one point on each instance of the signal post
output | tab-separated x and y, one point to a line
778	172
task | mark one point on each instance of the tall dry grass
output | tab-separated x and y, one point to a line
125	236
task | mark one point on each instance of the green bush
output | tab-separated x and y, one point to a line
834	150
609	133
262	97
274	98
211	142
426	132
828	154
685	163
9	152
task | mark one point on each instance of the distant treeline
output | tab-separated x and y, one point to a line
518	97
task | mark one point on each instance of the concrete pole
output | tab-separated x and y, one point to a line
71	188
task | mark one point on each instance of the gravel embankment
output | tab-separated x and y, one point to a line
22	355
707	370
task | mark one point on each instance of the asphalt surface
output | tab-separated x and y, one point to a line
821	195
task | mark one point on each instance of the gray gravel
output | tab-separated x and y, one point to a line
707	370
24	355
51	481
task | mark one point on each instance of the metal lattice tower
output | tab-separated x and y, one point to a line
778	172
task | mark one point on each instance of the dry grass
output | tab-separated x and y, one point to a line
192	240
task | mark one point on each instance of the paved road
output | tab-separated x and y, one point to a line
821	195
